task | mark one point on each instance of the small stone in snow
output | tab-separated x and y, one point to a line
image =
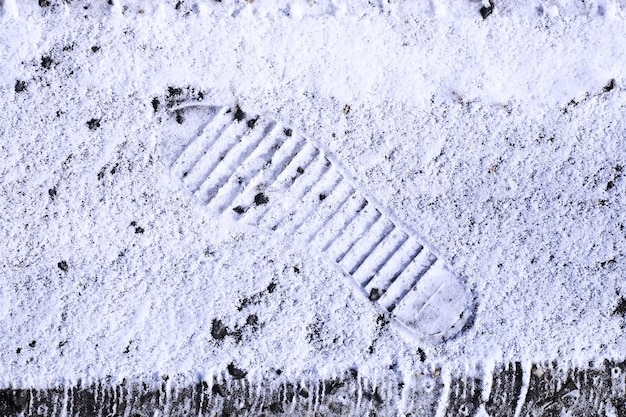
20	86
236	373
260	199
46	62
609	86
485	12
63	266
93	124
239	114
218	330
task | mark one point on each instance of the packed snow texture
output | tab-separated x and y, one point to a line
500	140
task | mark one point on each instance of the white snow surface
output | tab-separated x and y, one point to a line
493	138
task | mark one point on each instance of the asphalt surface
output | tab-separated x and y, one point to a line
511	390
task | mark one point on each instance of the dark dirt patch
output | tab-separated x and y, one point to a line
219	390
609	86
252	122
261	199
608	263
486	11
276	408
46	62
252	320
177	95
239	114
52	192
155	104
255	298
314	331
114	169
93	124
63	266
373	396
20	86
288	132
95	48
235	372
239	209
620	309
12	402
382	321
218	330
332	386
174	91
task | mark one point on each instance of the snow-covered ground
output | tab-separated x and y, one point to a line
499	140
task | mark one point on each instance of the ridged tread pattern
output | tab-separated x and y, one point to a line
265	174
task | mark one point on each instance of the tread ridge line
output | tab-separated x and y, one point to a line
387	230
248	152
377	217
273	170
300	194
204	132
329	188
334	213
238	139
418	275
381	264
346	225
288	183
272	151
199	168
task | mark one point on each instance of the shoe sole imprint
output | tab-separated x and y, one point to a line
265	174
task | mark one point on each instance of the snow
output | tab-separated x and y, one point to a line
493	139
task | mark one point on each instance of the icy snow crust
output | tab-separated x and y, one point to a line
499	140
